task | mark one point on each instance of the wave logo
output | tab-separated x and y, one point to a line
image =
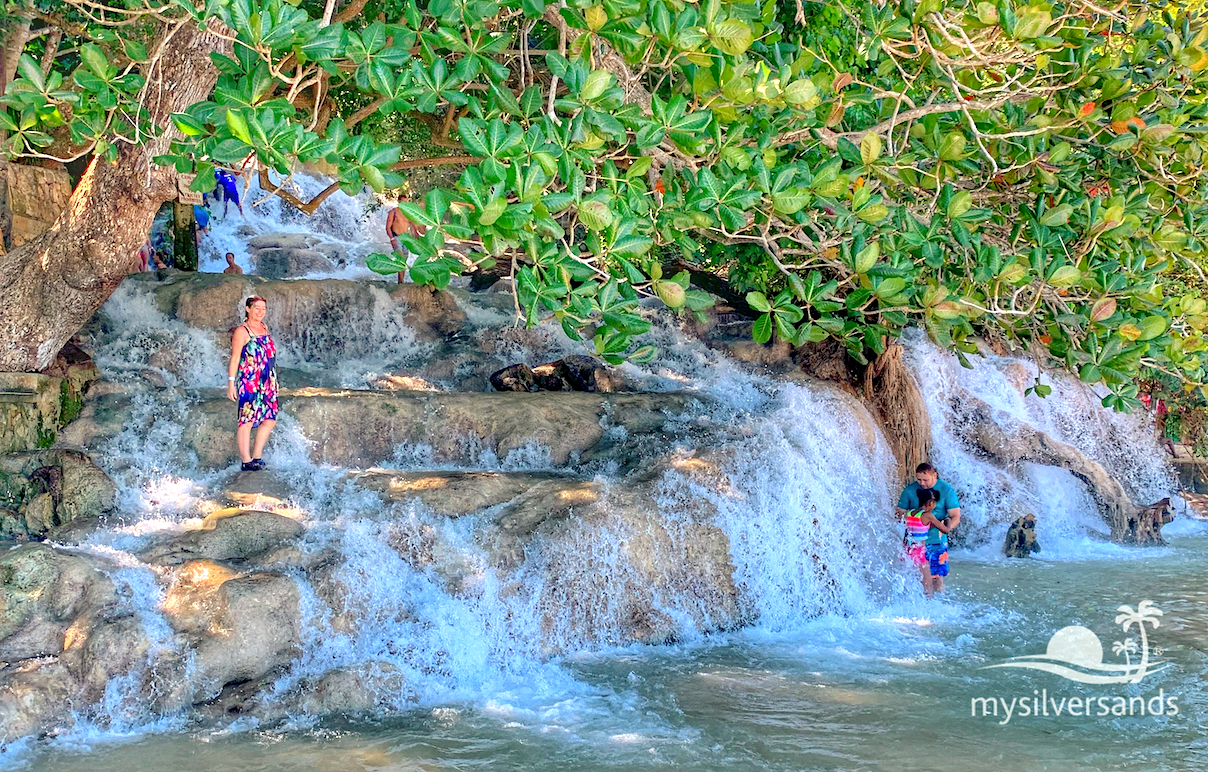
1076	653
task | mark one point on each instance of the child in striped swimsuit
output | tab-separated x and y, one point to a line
918	524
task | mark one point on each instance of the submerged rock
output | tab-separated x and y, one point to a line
1021	538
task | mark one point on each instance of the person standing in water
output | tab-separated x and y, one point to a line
947	508
252	382
229	189
231	266
919	524
396	225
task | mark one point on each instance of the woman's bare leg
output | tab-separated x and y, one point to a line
243	436
262	434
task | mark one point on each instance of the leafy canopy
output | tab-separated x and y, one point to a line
1029	171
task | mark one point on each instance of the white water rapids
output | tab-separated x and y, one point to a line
807	516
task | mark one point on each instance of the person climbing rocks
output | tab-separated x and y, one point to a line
397	224
252	382
948	507
228	190
232	267
931	561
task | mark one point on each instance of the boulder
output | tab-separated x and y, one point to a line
41	491
252	490
1021	538
282	240
243	627
518	377
42	593
291	262
573	373
228	534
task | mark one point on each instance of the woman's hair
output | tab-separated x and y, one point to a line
247	306
926	495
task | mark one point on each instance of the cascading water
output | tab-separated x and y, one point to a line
786	486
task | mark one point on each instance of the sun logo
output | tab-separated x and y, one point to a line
1076	653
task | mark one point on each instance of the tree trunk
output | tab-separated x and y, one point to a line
184	237
896	402
53	284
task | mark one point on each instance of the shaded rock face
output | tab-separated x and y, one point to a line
1021	538
573	373
228	534
34	407
43	492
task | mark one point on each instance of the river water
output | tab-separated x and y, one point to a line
891	690
845	669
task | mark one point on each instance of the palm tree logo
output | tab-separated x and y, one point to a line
1146	612
1076	653
1127	646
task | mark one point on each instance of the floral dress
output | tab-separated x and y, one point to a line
257	380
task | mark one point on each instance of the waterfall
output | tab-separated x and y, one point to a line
785	487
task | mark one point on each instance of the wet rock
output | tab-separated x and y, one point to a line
283	240
454	494
42	592
228	535
573	373
1144	526
403	383
1021	538
245	628
252	490
518	377
356	691
432	313
41	491
290	262
362	429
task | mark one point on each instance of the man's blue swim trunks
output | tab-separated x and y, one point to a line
937	556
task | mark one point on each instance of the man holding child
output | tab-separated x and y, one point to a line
931	510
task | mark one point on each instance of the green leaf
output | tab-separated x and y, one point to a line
1056	216
1152	327
237	123
491	212
890	287
867	258
759	302
961	202
732	36
762	329
870	148
1065	276
597	83
952	148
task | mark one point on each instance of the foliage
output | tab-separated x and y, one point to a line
1029	170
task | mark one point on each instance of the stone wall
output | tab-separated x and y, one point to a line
36	197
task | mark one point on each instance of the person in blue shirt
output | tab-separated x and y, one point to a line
948	507
227	190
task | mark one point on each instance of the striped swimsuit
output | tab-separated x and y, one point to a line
915	539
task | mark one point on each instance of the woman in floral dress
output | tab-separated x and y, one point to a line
252	382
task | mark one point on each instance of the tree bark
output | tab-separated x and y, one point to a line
53	284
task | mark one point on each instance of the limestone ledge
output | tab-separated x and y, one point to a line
362	428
